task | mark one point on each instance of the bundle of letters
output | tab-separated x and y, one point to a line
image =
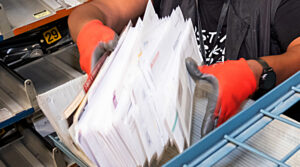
141	100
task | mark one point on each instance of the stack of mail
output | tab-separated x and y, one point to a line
141	100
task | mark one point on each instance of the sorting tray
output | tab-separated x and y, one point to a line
237	132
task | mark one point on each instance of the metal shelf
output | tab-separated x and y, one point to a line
19	16
26	150
20	87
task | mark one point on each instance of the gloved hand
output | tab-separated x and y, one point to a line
231	83
93	40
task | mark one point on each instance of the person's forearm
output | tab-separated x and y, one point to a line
113	13
82	15
284	65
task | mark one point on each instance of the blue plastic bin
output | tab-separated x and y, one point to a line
214	147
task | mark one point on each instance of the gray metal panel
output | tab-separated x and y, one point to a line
44	75
21	149
15	92
50	71
2	164
28	151
5	26
21	12
8	103
69	56
18	89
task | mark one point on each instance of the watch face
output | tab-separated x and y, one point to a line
268	80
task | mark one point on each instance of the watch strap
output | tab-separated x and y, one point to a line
268	77
263	63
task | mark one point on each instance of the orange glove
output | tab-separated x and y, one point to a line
232	82
93	40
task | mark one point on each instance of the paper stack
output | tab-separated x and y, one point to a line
141	100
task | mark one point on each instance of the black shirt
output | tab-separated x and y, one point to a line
209	14
286	26
287	22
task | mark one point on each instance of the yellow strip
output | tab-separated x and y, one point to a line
41	14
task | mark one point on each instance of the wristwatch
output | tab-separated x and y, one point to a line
267	79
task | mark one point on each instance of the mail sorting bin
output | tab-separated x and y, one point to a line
236	132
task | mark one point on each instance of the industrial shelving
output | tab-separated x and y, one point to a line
20	16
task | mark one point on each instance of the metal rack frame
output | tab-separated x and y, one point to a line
66	151
20	87
241	127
